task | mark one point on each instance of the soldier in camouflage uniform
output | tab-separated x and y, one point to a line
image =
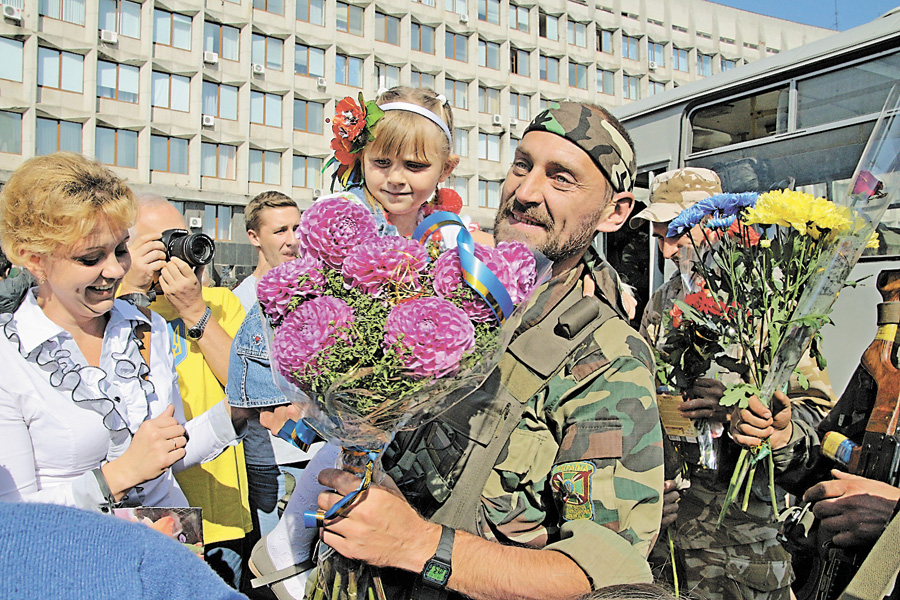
741	560
561	448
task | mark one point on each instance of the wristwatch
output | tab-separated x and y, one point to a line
196	332
438	568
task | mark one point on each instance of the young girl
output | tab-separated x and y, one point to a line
396	175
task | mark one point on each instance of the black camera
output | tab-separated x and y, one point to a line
196	249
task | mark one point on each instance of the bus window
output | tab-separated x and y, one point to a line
740	120
846	93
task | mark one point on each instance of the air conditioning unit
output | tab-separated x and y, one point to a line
498	120
316	193
463	18
13	13
209	121
110	37
321	82
652	65
513	122
195	222
211	58
258	69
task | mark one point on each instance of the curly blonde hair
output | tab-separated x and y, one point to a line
51	202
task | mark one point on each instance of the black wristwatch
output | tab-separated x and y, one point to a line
196	332
438	568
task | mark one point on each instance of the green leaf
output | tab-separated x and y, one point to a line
373	114
738	395
802	379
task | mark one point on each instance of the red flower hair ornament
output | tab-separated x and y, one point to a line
352	128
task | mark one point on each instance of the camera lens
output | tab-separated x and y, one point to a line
197	249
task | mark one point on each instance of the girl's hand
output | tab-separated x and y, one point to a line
156	446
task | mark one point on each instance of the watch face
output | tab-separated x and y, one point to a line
436	573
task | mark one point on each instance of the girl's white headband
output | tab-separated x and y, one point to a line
420	110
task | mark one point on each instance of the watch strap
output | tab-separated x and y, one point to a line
196	332
438	568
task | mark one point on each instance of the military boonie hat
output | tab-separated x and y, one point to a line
589	129
673	191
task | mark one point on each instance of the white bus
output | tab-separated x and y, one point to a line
799	119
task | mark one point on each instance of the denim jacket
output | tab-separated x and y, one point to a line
250	380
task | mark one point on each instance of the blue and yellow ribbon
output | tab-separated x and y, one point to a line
475	273
317	518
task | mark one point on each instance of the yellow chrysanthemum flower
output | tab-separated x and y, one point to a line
873	242
804	212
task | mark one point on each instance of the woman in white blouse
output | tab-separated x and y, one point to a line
83	421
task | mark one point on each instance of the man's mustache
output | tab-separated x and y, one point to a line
535	213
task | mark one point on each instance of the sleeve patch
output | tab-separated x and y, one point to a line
571	484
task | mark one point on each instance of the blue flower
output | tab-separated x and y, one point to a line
685	220
722	207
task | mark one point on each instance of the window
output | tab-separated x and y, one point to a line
518	106
461	141
71	11
704	35
655	87
656	53
171	29
578	75
704	65
265	109
606	82
756	116
311	11
578	34
56	136
518	61
631	87
348	70
459	185
513	146
168	154
220	100
630	47
419	79
387	29
456	92
655	22
548	26
422	38
488	54
272	6
309	61
265	167
60	70
308	116
488	100
307	171
431	3
13	59
727	65
518	18
387	76
488	146
118	82
221	39
679	28
489	10
10	132
679	59
604	41
267	51
488	194
121	16
217	221
217	160
726	40
349	19
457	6
549	69
543	104
117	147
455	46
171	91
751	46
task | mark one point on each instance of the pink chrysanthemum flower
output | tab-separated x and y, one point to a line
384	261
448	280
431	335
301	278
522	266
332	226
307	334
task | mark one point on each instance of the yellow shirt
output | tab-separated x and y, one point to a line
219	487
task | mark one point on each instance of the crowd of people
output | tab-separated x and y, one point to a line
131	382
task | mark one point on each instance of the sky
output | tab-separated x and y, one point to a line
850	13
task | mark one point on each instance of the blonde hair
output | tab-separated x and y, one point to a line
402	132
53	201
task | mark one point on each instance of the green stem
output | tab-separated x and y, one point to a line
672	558
771	465
748	485
733	485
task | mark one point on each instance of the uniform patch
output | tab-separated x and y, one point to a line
178	339
571	484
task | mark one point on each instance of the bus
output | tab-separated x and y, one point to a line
798	120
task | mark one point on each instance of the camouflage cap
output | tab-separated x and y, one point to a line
590	129
673	191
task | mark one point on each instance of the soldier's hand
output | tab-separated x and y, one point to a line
671	497
753	425
703	401
852	510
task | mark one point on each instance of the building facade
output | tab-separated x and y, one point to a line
210	102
